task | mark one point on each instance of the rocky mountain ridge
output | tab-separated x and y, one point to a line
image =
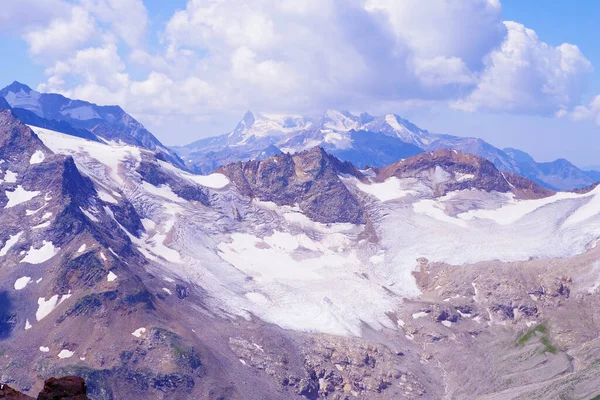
365	140
80	118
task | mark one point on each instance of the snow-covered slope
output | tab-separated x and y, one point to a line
274	262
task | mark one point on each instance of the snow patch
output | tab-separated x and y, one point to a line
22	282
212	181
111	277
82	248
10	177
44	349
19	196
42	225
139	332
107	198
27	325
45	307
387	190
43	254
12	240
65	354
37	157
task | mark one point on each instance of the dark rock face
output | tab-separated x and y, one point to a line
309	179
67	388
8	393
440	163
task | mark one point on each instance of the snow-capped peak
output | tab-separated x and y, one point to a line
260	125
340	121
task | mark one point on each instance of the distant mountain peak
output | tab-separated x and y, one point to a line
16	87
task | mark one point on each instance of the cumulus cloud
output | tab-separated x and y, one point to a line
62	34
16	15
590	111
307	55
127	18
527	75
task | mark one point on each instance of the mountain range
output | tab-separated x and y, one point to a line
290	276
365	140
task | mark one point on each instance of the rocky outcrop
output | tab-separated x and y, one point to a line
309	179
448	170
67	388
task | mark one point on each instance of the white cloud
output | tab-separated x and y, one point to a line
62	35
128	18
583	112
528	75
16	15
218	57
466	30
100	70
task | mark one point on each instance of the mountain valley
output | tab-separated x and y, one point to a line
304	265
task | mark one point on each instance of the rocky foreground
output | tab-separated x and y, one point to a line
67	388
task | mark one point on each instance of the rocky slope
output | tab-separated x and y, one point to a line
298	276
308	179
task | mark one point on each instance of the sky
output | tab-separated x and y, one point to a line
523	74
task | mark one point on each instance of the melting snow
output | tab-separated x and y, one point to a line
460	177
389	189
89	215
18	196
212	181
45	307
37	157
65	354
42	225
107	198
10	177
12	240
111	276
139	332
22	282
43	254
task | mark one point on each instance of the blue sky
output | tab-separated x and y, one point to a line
191	69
